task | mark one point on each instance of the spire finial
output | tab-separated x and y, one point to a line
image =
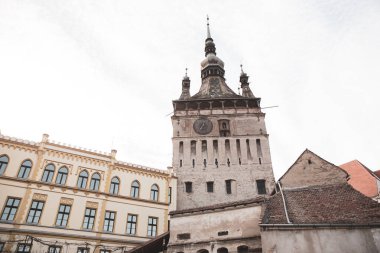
208	28
241	67
185	72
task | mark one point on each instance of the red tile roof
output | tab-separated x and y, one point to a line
332	204
361	178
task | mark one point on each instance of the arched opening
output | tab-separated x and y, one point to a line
202	251
222	250
242	249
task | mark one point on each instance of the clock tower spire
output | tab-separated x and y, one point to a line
220	144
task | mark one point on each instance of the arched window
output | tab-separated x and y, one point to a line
62	176
154	192
135	189
114	187
202	251
222	250
3	163
25	168
242	249
48	173
95	181
82	179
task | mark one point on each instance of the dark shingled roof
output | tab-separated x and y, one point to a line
332	204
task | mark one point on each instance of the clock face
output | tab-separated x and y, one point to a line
202	126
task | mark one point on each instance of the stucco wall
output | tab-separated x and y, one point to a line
321	241
240	223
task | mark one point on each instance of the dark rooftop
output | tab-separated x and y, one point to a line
332	204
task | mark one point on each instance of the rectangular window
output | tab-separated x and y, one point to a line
10	209
152	226
170	195
228	187
63	215
258	147
1	246
35	212
55	249
131	224
83	250
23	248
188	187
210	186
105	251
109	220
89	218
261	186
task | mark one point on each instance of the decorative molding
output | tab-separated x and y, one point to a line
91	204
39	196
66	201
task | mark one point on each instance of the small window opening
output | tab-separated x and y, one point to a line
188	187
180	163
228	187
259	160
228	162
216	163
193	163
261	186
239	161
204	162
210	186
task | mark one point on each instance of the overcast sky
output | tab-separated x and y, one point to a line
102	74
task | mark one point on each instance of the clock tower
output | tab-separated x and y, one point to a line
220	143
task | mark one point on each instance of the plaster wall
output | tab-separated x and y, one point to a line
236	227
235	157
310	170
321	241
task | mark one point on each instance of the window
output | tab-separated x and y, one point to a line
261	186
131	225
105	251
1	246
23	248
114	187
258	147
10	209
170	195
188	187
83	250
25	169
152	226
243	249
35	212
62	176
48	173
89	218
95	181
63	215
228	187
3	163
154	192
55	249
82	179
135	189
109	220
210	186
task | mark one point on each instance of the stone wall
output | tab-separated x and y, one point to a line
347	240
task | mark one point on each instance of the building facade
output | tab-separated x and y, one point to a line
57	198
317	210
363	179
222	160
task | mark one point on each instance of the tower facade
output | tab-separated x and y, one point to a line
220	143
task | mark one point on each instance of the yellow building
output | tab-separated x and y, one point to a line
58	198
